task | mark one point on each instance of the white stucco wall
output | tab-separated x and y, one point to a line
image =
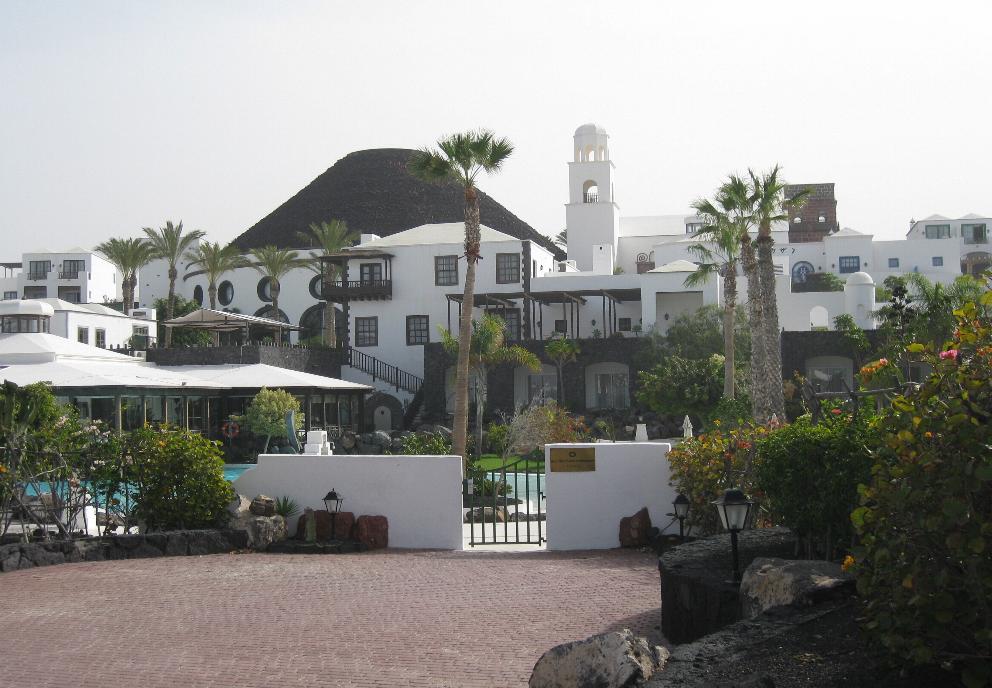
420	495
584	509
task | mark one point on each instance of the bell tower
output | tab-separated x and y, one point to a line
592	217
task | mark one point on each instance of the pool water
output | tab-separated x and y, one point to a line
233	471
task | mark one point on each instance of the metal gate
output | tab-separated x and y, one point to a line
515	517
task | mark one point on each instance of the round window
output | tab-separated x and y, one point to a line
264	289
225	293
315	287
198	295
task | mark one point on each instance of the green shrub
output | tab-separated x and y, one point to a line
426	444
178	478
703	467
287	507
925	519
266	413
810	476
498	435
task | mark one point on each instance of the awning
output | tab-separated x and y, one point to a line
258	375
122	375
209	319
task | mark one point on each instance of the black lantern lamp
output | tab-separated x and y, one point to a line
332	502
734	509
681	505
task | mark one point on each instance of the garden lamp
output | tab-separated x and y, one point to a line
734	509
332	502
681	505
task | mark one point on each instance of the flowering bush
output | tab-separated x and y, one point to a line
704	466
925	519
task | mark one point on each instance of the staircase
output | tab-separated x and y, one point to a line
380	370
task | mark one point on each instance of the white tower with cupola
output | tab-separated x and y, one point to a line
592	216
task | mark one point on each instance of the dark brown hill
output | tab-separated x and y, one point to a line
372	191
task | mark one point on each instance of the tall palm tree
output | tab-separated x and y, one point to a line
561	351
488	349
933	305
561	238
128	256
720	255
215	260
170	244
275	263
770	206
460	159
328	238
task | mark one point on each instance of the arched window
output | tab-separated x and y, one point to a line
830	373
801	272
268	312
312	322
590	153
198	295
590	192
608	386
819	318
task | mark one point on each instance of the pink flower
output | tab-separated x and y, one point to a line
950	353
883	361
835	411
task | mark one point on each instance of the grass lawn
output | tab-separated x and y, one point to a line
491	462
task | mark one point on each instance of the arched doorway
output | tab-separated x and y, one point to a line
975	263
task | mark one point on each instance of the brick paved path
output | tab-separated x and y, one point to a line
386	619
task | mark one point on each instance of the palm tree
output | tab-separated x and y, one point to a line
488	349
329	237
561	238
721	254
561	351
933	305
128	256
275	263
770	206
170	244
460	159
215	260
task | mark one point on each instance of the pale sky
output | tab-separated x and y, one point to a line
119	115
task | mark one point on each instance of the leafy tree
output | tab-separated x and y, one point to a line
460	159
682	386
275	263
181	336
561	351
329	238
700	335
854	336
215	260
128	256
488	349
769	206
819	282
934	304
170	244
266	413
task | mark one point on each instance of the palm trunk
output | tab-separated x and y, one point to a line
170	305
561	385
212	293
729	325
749	262
127	294
459	429
770	331
480	407
330	325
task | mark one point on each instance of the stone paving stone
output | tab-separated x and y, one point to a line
387	618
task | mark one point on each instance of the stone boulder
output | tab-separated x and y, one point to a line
770	582
343	524
609	660
262	530
263	505
487	514
372	531
635	531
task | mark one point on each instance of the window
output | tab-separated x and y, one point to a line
83	335
561	326
101	338
139	336
417	330
937	261
937	231
611	391
225	293
198	295
72	268
370	273
264	289
849	264
36	292
70	294
543	386
974	234
10	296
445	270
507	268
512	320
623	325
693	227
893	262
39	269
367	331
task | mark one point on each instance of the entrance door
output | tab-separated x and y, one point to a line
505	506
383	418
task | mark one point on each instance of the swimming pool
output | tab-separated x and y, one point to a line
233	471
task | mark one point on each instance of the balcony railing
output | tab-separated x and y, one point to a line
69	275
37	275
358	290
977	239
590	198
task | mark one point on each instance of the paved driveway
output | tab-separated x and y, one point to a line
388	618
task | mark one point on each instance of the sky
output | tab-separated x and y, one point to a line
119	115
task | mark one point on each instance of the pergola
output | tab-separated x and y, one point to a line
223	321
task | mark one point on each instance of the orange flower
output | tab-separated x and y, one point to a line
848	563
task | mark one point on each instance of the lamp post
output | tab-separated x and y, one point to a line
734	509
332	502
681	505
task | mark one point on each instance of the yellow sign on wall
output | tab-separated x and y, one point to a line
573	459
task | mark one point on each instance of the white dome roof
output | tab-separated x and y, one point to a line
26	307
860	278
590	128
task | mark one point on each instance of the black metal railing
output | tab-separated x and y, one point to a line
380	370
507	507
358	289
69	274
590	198
37	275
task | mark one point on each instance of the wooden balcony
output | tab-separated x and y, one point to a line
358	290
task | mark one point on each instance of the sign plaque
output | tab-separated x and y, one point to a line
573	459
